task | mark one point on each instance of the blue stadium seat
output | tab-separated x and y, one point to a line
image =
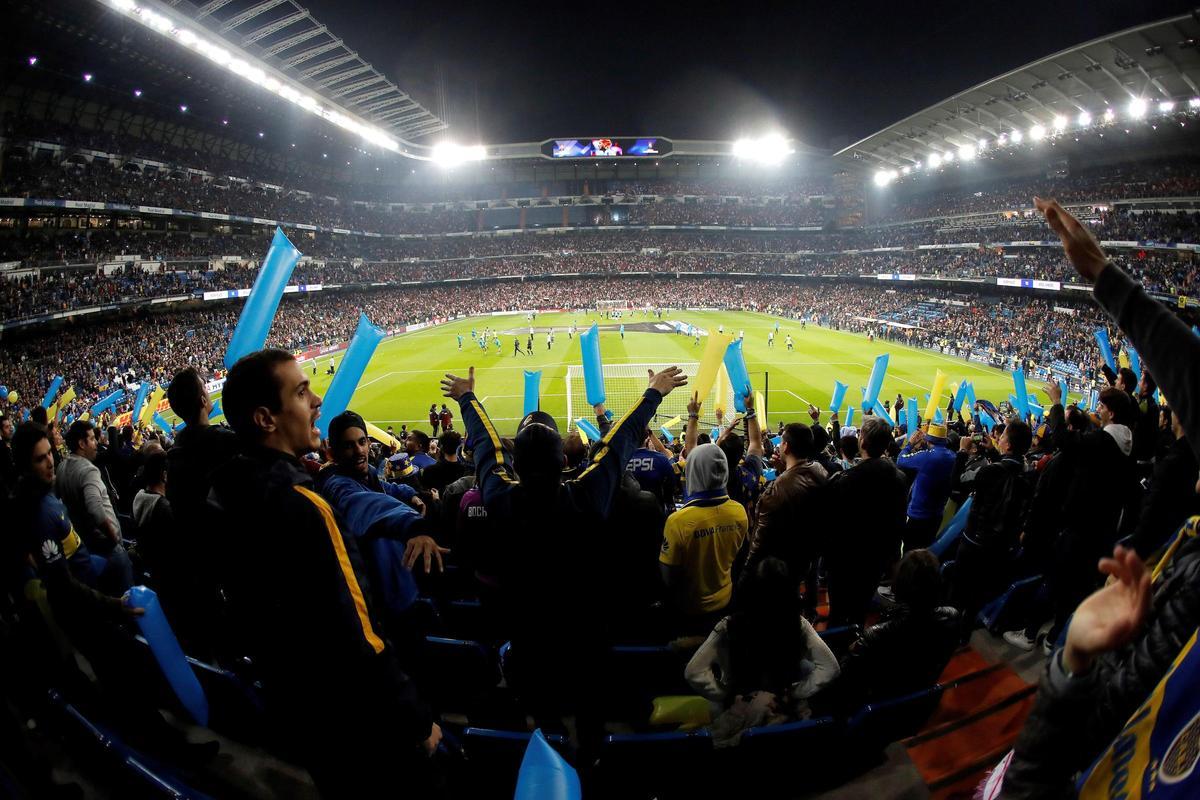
656	765
493	759
840	638
639	673
458	673
139	775
877	725
804	746
1001	613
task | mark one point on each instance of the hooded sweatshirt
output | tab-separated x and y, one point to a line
703	537
1121	435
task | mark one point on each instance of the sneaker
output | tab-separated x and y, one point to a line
1019	640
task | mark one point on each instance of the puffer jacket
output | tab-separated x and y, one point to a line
789	504
1074	718
905	652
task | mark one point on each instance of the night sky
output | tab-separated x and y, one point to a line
826	73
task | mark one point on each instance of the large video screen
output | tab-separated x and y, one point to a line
604	147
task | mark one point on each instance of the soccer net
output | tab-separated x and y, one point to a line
625	383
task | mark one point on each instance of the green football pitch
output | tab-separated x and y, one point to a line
403	377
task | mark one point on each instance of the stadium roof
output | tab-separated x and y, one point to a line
286	36
1157	62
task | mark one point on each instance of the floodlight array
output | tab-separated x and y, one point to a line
1138	109
215	52
771	149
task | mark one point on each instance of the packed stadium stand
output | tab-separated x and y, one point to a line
308	653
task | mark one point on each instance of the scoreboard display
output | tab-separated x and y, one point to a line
607	147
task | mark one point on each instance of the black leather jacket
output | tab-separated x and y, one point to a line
904	653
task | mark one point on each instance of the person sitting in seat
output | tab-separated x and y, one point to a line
761	663
908	649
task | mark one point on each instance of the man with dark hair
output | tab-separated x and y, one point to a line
82	490
448	468
392	536
157	539
8	469
557	614
788	509
299	587
417	447
1001	497
1145	426
863	524
193	598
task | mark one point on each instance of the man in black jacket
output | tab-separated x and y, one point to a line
191	596
298	585
864	506
1002	492
554	574
1170	500
1124	637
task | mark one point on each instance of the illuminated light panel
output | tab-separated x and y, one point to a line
1137	108
1084	119
1037	132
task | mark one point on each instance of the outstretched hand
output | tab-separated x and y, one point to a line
1054	392
455	387
694	404
1110	617
670	378
1082	248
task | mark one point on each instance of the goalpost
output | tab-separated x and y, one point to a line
625	383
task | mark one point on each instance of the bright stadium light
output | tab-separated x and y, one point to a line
881	178
966	152
1084	119
1037	132
212	50
1109	115
1193	103
770	149
935	160
947	157
982	145
1017	136
1166	107
1002	139
905	170
449	154
1060	123
1137	108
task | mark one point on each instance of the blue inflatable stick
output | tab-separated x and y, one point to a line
593	369
107	402
337	399
259	311
769	474
1106	348
914	415
162	424
953	530
670	437
1062	388
715	434
883	414
3	391
850	415
878	371
533	391
593	433
544	774
938	418
217	411
739	378
1135	361
139	401
839	394
1022	404
55	385
971	395
778	440
985	419
169	654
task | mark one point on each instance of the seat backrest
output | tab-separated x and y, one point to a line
459	666
879	724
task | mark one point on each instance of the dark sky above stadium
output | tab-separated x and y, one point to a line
825	72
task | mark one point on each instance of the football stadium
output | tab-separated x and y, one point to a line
420	402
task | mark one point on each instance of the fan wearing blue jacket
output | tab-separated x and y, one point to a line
393	537
931	463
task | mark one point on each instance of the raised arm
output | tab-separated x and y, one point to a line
593	489
1159	336
754	446
493	472
693	424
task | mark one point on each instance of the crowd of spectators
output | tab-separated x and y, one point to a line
721	540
